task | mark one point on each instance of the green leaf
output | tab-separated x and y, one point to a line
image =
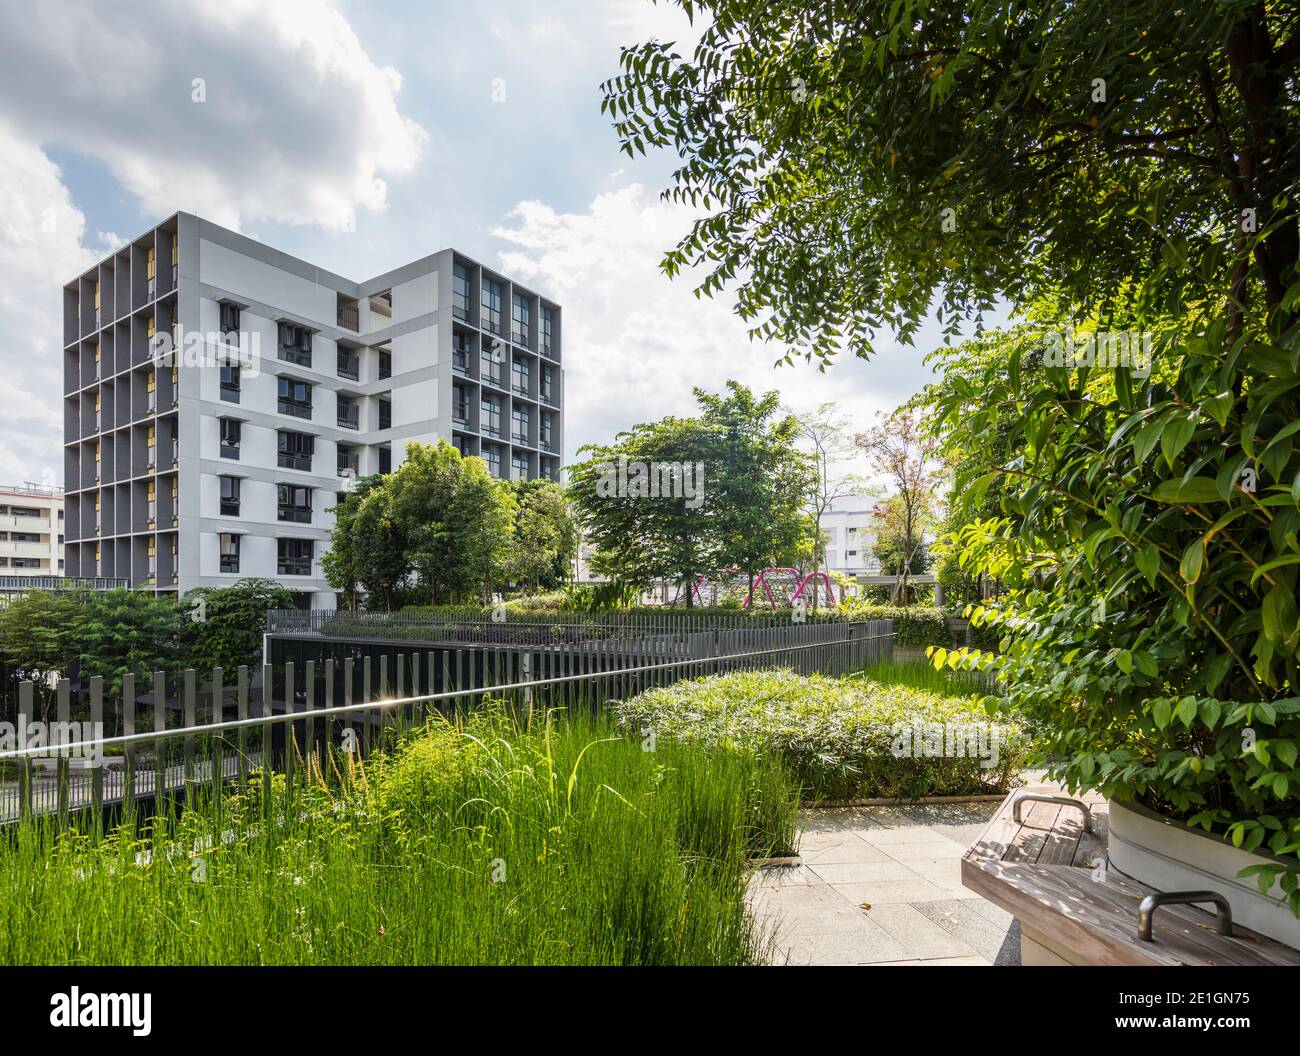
1196	490
1148	562
1193	561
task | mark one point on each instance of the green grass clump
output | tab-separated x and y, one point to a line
484	842
849	738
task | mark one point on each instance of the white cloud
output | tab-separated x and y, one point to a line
635	343
41	234
298	125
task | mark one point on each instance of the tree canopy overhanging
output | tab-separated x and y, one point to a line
859	163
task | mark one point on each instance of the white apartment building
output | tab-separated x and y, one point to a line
850	533
221	461
31	530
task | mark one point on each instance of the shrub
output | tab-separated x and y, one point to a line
914	625
841	737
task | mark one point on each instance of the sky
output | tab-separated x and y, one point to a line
360	136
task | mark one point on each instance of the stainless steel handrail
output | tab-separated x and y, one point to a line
1148	906
1064	801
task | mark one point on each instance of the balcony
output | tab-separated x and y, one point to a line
349	317
297	515
349	419
349	366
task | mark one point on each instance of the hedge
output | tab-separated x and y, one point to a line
845	739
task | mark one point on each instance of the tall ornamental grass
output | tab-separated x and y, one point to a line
482	842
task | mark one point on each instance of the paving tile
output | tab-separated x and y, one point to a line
862	942
996	915
987	939
890	835
921	935
863	872
944	873
879	892
841	848
934	849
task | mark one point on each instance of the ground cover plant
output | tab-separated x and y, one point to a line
484	842
844	738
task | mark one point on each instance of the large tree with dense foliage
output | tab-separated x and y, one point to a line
1126	170
640	538
440	529
545	535
745	511
860	161
224	625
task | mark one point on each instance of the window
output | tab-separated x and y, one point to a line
349	416
460	405
385	459
349	364
294	450
25	537
151	446
547	378
520	423
294	503
519	467
151	500
491	415
229	496
519	375
349	460
151	551
491	304
385	364
460	351
520	317
492	456
548	329
493	363
547	423
229	547
26	562
295	344
548	469
229	318
294	397
24	511
151	390
231	429
460	292
230	382
385	414
293	557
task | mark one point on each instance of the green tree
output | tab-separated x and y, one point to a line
339	561
121	632
380	550
545	535
862	162
225	625
645	530
758	480
37	639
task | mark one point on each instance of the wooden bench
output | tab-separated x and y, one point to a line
1043	869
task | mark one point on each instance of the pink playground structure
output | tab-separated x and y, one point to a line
782	587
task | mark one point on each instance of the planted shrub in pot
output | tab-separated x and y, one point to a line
1149	537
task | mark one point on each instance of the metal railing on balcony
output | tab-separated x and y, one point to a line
349	317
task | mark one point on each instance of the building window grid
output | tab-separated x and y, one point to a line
491	303
460	292
520	318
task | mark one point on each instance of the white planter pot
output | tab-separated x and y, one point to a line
1169	856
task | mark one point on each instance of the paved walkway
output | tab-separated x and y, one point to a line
882	885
